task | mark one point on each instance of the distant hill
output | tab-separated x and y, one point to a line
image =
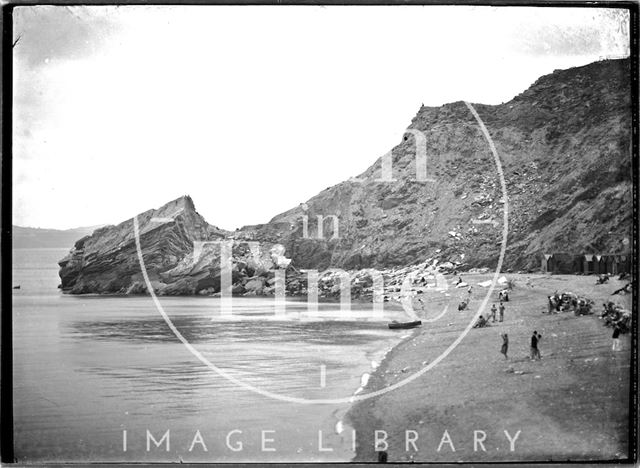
29	238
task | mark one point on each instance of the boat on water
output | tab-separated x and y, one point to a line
403	325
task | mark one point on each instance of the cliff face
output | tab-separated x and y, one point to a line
565	148
107	261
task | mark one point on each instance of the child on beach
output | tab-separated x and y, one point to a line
501	309
505	345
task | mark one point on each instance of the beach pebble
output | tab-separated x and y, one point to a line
537	377
405	369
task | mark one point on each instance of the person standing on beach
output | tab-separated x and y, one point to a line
501	309
505	345
535	352
493	313
616	338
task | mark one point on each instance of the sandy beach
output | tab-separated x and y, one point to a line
571	404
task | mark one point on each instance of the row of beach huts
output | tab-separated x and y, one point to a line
586	264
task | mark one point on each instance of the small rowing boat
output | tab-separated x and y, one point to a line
403	325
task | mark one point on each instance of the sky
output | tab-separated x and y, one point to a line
253	110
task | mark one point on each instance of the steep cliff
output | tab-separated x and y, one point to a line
107	261
565	149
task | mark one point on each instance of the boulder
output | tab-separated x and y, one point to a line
255	285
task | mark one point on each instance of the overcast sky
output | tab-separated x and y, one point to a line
252	110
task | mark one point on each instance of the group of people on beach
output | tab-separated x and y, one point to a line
484	322
568	301
614	315
535	352
504	349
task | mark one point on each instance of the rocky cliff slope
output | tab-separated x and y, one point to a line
181	253
565	148
107	261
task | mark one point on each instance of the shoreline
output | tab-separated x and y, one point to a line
343	426
359	415
476	388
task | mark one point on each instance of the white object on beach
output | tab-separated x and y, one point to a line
364	379
485	284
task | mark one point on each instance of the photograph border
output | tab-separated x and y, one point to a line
6	331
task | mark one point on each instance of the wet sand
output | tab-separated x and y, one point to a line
572	404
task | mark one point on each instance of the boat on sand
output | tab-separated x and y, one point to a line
403	325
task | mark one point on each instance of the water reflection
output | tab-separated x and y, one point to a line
85	368
280	356
199	329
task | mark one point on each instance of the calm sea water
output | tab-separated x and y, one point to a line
88	368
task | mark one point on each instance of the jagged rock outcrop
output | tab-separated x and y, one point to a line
107	260
565	148
181	254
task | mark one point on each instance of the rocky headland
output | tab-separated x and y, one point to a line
565	150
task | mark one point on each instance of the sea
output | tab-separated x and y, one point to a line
107	379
